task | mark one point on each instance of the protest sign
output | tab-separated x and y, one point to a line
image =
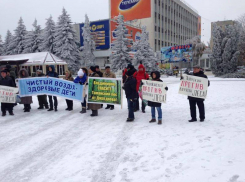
50	86
8	94
194	86
105	90
154	91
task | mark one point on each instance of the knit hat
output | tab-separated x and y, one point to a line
4	71
129	73
80	72
93	68
197	66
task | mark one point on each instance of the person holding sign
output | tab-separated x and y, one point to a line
42	99
52	73
6	81
156	105
69	103
140	75
109	74
131	94
27	101
193	101
82	80
93	107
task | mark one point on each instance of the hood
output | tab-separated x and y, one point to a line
26	73
86	70
53	69
130	66
141	66
157	75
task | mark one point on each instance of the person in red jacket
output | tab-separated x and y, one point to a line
140	75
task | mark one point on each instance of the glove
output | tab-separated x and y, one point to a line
86	83
166	88
80	83
181	78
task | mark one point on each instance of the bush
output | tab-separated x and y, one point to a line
234	75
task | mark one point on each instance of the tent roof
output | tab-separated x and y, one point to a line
39	58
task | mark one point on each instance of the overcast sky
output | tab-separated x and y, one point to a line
12	10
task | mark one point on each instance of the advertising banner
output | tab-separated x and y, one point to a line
194	86
8	94
100	31
154	91
105	90
131	9
50	86
134	33
177	53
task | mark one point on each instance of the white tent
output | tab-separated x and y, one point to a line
34	61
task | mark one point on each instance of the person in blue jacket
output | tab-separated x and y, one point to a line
52	73
82	79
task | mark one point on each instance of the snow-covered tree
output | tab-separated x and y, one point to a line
88	48
16	45
120	57
33	39
145	54
8	39
48	36
1	46
241	48
197	48
226	49
65	45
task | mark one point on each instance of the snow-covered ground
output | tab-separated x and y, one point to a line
70	147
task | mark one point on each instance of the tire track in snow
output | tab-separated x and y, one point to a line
107	169
36	161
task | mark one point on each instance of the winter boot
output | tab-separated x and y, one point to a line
56	109
130	119
107	107
83	111
152	121
112	108
40	107
11	113
159	122
50	109
94	113
192	120
201	120
3	114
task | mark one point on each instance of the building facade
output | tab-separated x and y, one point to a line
171	23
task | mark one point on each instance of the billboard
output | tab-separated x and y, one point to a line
101	34
199	28
134	33
176	53
131	9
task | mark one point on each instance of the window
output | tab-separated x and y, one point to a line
37	67
61	69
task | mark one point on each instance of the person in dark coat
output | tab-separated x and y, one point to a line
69	103
98	71
11	76
93	107
131	93
82	80
27	101
53	105
155	105
42	99
197	101
6	81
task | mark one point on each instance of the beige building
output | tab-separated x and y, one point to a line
222	24
171	23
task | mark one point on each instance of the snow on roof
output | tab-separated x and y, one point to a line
40	58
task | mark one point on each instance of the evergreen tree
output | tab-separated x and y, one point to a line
48	36
65	45
145	54
8	39
33	39
241	47
120	57
16	45
88	58
1	47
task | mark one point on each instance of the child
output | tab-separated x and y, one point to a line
154	105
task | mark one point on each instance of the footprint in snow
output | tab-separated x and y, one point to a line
234	178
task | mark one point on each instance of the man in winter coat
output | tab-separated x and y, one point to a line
27	101
6	81
42	99
98	71
140	75
131	68
69	103
93	107
109	74
155	105
52	73
131	94
197	101
82	80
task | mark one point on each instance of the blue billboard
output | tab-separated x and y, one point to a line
176	53
100	30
